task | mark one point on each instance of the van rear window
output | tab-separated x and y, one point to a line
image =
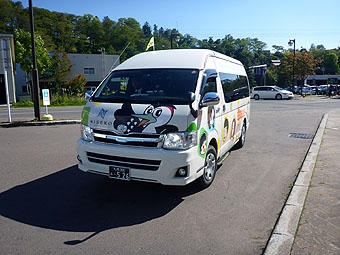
148	85
234	86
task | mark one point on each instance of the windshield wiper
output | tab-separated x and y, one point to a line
110	99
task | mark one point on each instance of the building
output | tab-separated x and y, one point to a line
21	85
93	66
7	62
320	79
260	73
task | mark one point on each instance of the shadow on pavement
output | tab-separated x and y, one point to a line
70	200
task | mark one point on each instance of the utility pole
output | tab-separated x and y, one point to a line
290	43
35	77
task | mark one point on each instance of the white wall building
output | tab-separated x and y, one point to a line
321	79
7	61
93	66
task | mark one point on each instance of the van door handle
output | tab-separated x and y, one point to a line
223	108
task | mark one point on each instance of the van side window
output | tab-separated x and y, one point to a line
209	86
234	86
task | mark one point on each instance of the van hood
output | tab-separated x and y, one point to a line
125	118
286	91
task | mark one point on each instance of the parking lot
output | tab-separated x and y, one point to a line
48	206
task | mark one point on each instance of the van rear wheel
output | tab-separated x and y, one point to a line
242	139
209	170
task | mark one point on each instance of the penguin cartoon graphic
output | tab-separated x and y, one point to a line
124	121
154	119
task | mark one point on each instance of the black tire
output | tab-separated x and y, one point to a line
278	97
242	139
210	168
256	97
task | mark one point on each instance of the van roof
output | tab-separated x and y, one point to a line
178	58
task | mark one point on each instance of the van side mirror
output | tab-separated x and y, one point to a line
88	94
191	97
210	98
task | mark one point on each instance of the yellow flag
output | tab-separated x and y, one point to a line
151	44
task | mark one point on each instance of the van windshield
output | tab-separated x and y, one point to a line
278	88
148	86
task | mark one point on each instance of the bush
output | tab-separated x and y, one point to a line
65	100
56	101
25	103
75	86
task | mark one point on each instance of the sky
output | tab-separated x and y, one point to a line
274	22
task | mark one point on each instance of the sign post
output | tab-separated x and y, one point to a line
46	102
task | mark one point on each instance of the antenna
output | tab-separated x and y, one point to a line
119	57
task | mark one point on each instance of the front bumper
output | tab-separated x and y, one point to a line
287	96
170	161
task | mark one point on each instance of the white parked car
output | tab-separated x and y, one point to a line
271	92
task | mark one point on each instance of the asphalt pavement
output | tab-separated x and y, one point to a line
315	231
27	114
319	229
309	223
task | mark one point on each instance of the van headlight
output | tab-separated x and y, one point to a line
180	140
86	133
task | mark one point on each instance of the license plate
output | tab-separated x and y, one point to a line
120	173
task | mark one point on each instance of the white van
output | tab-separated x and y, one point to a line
167	117
271	92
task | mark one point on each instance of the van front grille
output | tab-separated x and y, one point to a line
137	139
143	164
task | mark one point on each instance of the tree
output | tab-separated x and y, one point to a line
187	42
75	86
278	48
320	47
146	30
23	52
304	62
91	33
109	30
330	62
13	16
57	29
60	70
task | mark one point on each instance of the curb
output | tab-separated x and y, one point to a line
282	238
39	123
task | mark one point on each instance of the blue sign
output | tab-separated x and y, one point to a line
46	97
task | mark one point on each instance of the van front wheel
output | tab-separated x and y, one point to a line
210	167
278	97
256	97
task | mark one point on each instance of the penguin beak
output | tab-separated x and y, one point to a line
147	118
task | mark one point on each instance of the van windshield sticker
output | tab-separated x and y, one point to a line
152	119
85	115
233	131
225	129
192	127
211	118
203	143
